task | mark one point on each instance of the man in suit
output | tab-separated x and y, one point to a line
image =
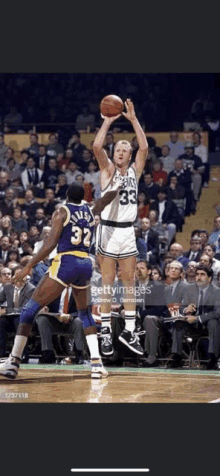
175	291
110	145
152	309
151	239
177	252
5	248
167	213
148	186
201	306
31	176
60	316
5	277
14	299
195	249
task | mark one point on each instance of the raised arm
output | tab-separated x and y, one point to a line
142	152
98	144
58	219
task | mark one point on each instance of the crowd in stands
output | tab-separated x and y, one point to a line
30	190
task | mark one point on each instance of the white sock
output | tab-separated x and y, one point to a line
130	317
106	320
92	341
19	345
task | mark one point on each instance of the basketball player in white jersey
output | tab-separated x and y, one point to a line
116	238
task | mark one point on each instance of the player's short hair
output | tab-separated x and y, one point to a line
75	192
125	142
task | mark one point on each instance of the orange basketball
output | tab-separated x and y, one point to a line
111	105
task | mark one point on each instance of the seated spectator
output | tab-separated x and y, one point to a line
27	248
77	147
202	152
31	177
72	172
151	239
60	316
23	236
195	249
176	147
165	272
110	145
33	148
152	311
14	239
13	257
156	273
201	306
175	291
24	156
61	187
177	253
149	187
190	272
143	205
214	237
161	231
14	297
140	243
42	161
50	176
33	235
4	184
30	205
39	220
5	247
50	203
159	175
177	193
210	250
18	222
85	161
54	149
3	150
92	176
13	169
9	202
87	187
196	167
168	161
6	225
5	277
63	163
168	213
85	121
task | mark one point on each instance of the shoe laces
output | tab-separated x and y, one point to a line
106	339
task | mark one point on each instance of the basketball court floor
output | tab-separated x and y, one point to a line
72	384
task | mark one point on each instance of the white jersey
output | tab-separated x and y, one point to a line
123	209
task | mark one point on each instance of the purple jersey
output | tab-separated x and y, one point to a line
77	229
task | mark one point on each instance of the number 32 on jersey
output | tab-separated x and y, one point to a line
80	235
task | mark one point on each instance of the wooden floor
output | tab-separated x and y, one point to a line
72	384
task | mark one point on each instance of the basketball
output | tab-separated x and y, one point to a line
111	106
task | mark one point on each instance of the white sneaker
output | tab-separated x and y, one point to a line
98	371
9	368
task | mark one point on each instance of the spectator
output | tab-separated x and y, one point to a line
50	203
168	161
18	223
39	220
85	121
176	147
33	235
6	225
143	206
34	146
13	169
30	205
87	187
140	243
54	149
5	247
92	176
9	202
5	276
151	311
151	239
184	179
42	161
62	317
31	176
210	250
4	183
149	187
110	145
177	253
214	237
24	156
168	213
72	172
190	272
61	187
63	163
156	273
195	165
195	249
161	231
177	193
201	305
77	147
15	297
86	160
39	242
14	257
50	175
23	236
159	175
3	150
